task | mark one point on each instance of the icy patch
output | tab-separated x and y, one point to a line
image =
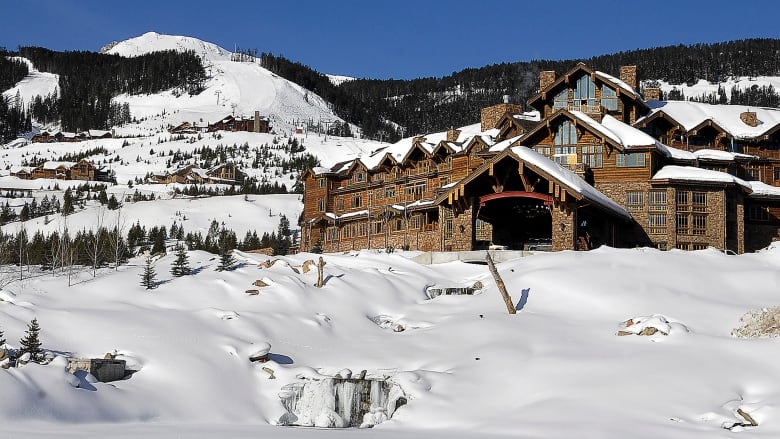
763	323
339	402
653	326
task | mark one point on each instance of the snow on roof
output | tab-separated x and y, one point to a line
690	173
502	145
619	83
596	126
761	189
692	114
628	135
320	170
412	205
533	116
675	153
714	154
50	166
333	216
568	179
17	169
97	133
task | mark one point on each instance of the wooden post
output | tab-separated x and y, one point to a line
500	284
320	265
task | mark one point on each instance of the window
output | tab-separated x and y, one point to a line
682	224
321	204
448	227
543	150
390	191
657	223
416	222
585	95
561	100
376	227
776	173
699	201
565	155
752	172
320	182
757	213
362	229
633	160
635	201
415	189
348	231
378	193
340	203
566	134
699	224
360	177
333	234
699	246
691	212
357	200
661	246
592	155
608	98
656	200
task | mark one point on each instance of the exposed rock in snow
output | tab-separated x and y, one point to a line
759	323
650	326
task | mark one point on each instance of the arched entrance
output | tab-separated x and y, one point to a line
518	219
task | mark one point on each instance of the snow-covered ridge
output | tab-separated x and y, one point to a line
154	42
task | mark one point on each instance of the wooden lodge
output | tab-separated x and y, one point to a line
81	170
596	163
255	124
64	136
226	173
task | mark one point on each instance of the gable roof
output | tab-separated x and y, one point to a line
692	115
620	86
690	174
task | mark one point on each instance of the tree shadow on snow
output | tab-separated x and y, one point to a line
197	270
328	277
83	383
523	299
281	359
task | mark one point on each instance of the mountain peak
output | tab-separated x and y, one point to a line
155	42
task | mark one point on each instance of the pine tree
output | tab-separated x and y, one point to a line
31	342
149	275
226	258
67	203
181	266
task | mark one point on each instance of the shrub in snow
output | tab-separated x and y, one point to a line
759	323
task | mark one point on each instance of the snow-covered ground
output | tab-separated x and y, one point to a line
706	88
36	83
469	369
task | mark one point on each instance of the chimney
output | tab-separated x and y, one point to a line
628	75
546	78
256	127
452	135
652	94
749	117
490	116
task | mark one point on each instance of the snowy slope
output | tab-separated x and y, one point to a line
245	85
706	88
469	369
36	83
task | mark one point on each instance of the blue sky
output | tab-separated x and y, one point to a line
399	39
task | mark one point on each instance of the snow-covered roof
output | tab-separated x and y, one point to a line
569	179
333	216
98	133
714	154
50	166
625	87
692	174
763	190
692	114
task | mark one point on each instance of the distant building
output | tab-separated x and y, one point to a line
256	124
64	136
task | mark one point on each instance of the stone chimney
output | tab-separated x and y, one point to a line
256	127
452	135
749	117
546	78
491	115
628	75
652	94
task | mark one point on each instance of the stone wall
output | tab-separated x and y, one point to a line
104	370
652	94
628	75
491	115
564	226
546	78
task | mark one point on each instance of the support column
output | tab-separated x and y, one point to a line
564	226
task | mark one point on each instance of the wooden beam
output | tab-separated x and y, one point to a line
462	189
449	199
557	191
520	168
551	187
490	170
563	195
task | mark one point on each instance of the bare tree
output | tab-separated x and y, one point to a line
116	241
95	244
